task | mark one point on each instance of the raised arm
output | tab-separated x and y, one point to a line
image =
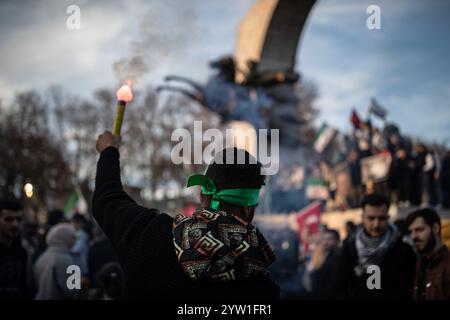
114	210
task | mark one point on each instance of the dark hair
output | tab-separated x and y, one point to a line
234	175
376	200
78	218
429	215
334	232
110	280
85	224
350	225
12	205
55	216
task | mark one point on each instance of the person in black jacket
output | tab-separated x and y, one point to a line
215	254
400	173
317	277
419	161
13	257
376	243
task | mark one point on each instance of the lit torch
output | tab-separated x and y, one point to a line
124	95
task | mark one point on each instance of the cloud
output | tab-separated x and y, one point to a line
339	93
424	114
401	65
45	51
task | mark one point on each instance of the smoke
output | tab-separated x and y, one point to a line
165	31
132	69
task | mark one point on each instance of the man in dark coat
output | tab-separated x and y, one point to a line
317	277
13	257
375	263
215	254
419	159
432	280
400	173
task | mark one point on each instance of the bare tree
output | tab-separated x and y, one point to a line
29	152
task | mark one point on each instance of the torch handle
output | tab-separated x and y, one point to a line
119	118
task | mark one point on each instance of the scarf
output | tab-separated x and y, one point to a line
214	246
372	250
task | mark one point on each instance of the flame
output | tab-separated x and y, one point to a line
125	93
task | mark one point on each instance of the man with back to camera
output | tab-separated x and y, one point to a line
377	242
214	254
432	280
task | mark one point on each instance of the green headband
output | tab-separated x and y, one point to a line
240	197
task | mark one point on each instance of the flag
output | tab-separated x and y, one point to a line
323	138
377	110
75	204
308	220
355	120
316	189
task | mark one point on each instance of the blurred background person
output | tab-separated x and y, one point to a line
432	278
431	174
445	180
80	249
318	276
350	229
402	227
101	252
400	174
50	270
110	283
417	181
355	177
13	257
54	216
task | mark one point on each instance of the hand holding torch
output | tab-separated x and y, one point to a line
124	95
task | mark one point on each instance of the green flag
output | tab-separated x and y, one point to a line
75	204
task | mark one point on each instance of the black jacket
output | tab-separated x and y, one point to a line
322	279
397	274
143	241
13	272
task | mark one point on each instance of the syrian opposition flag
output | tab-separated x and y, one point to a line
377	110
316	189
76	204
308	220
323	138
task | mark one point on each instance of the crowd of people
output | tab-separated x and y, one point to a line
409	172
413	261
409	255
418	174
335	264
34	260
129	251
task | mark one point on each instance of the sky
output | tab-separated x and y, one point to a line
405	65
